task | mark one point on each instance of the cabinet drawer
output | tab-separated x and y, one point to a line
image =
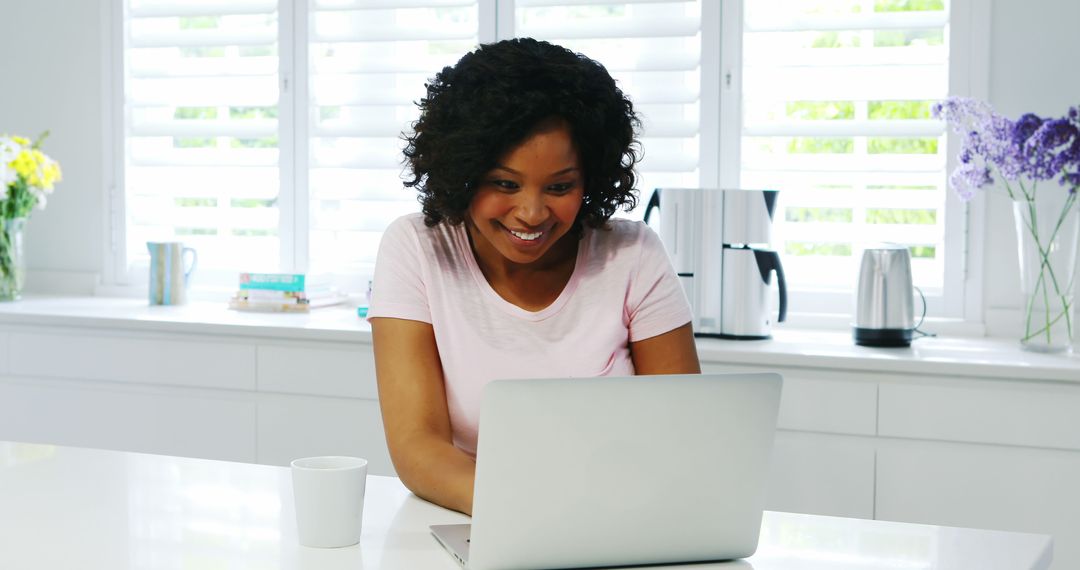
983	486
830	401
138	360
822	475
348	371
210	424
1033	414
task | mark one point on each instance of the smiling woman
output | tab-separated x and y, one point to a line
515	269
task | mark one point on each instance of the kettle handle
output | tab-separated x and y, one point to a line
768	260
654	202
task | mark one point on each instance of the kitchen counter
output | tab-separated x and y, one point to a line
954	356
66	507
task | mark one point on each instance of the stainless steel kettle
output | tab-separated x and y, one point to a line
885	303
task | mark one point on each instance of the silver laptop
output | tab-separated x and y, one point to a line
618	471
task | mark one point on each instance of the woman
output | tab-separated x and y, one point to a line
522	153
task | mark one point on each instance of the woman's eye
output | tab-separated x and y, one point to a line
505	184
561	188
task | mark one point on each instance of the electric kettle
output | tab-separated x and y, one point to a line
885	303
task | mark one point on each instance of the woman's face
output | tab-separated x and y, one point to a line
529	201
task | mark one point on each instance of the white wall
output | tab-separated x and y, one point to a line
56	82
51	74
1033	69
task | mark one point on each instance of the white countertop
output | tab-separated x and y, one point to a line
63	508
960	356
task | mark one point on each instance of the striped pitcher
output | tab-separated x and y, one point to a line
168	278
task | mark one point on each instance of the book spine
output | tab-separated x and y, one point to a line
284	307
272	281
270	295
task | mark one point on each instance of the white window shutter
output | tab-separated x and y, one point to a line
835	114
654	51
369	61
201	91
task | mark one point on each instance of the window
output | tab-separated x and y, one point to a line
202	130
654	50
836	99
368	62
267	133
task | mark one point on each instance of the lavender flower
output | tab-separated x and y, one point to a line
1032	147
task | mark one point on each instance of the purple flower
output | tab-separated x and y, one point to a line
1031	147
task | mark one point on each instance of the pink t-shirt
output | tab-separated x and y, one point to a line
623	289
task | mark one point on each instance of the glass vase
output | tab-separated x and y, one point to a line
1048	234
12	263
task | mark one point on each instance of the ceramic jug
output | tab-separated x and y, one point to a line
168	275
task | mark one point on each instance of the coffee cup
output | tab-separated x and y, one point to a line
328	493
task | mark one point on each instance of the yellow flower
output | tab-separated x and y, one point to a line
24	163
21	140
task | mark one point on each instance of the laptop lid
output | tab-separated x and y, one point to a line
620	471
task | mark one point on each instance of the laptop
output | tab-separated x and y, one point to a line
637	470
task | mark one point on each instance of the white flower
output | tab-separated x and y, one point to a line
9	149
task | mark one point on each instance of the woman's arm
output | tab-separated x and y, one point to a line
673	352
415	416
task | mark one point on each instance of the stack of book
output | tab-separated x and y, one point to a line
283	292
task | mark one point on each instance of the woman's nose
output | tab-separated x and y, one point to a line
531	209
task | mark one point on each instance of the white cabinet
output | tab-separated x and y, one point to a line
211	424
235	398
291	426
822	474
984	486
814	470
857	437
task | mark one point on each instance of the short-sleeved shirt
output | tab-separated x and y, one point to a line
622	290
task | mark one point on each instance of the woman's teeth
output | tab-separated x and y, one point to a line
527	237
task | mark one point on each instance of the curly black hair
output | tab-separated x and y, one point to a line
493	99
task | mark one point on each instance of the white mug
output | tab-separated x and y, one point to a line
328	493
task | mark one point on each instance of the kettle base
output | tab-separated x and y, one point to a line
882	337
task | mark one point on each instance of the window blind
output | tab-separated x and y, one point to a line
653	49
201	92
836	102
369	61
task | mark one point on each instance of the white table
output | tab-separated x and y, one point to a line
64	507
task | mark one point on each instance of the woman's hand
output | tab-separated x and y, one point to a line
673	352
415	416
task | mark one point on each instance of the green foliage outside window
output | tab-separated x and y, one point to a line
264	142
820	110
898	110
196	202
818	215
253	112
909	5
812	248
820	145
194	142
901	216
901	145
923	251
199	22
201	113
196	231
835	40
202	51
251	203
254	232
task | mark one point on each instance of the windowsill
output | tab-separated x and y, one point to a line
943	355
